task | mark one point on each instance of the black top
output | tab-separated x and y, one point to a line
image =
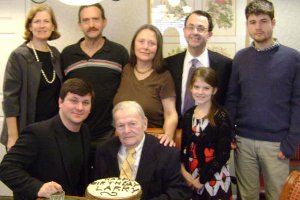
75	155
47	97
214	138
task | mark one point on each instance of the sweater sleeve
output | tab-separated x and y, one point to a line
291	142
233	93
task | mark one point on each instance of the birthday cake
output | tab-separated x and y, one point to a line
114	188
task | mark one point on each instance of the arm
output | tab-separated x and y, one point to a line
11	94
170	123
14	169
233	92
12	131
187	176
290	143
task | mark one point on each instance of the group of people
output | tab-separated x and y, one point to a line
249	103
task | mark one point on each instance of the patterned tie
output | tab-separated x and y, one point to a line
188	99
127	166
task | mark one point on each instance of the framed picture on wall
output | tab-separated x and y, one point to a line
229	34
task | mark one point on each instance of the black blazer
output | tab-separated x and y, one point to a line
158	172
221	64
39	156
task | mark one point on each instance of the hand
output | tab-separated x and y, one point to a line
166	140
11	142
196	184
233	145
49	188
187	176
281	156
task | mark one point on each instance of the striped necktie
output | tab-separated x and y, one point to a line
128	165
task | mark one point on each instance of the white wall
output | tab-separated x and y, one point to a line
124	17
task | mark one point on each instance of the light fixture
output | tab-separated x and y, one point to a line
79	2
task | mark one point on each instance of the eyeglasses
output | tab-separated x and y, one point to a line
199	29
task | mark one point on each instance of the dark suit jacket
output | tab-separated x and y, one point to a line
158	172
221	64
40	155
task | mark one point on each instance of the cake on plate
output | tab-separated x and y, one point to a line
114	188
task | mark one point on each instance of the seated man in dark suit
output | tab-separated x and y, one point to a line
155	167
52	155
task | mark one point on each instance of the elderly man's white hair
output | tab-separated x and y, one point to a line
128	104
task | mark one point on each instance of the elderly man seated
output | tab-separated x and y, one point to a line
155	167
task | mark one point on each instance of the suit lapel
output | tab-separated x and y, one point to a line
61	139
147	164
112	157
179	67
213	63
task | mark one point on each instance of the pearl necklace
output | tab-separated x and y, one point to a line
37	59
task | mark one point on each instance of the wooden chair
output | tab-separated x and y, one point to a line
295	160
291	188
177	136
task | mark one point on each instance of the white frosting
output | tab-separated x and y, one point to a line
114	188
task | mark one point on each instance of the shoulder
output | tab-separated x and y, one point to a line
290	51
70	49
54	50
189	113
109	145
218	56
175	57
40	129
161	151
243	52
22	51
114	46
222	116
165	75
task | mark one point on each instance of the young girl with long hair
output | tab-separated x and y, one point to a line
206	140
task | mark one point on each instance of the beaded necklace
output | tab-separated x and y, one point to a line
37	59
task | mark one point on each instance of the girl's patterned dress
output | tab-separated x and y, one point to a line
205	152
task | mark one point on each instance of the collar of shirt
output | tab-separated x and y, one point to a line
122	154
203	59
274	45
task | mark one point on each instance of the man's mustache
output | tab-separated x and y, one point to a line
92	29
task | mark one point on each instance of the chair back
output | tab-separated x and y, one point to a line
291	188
